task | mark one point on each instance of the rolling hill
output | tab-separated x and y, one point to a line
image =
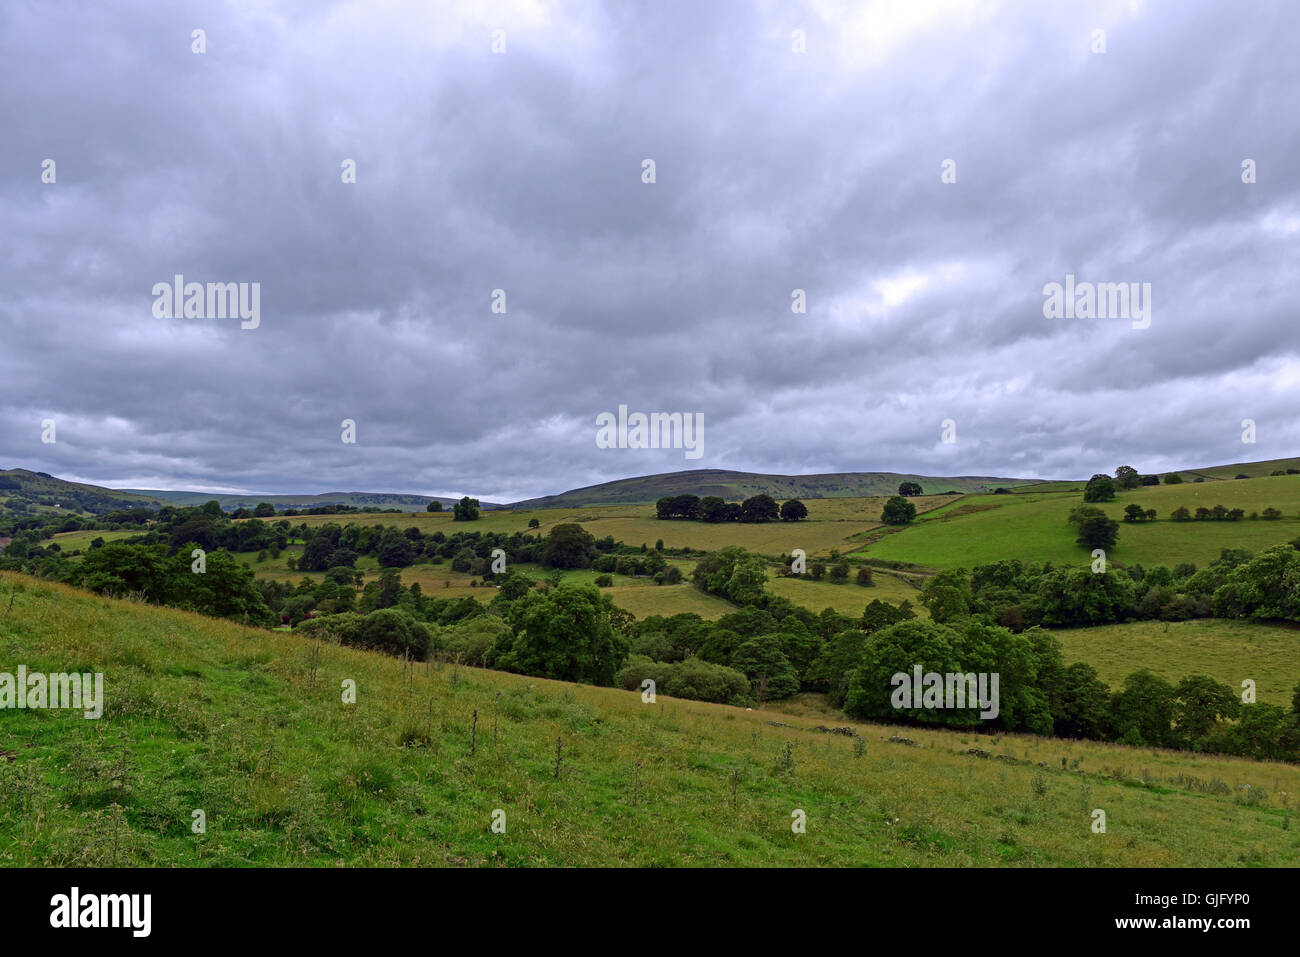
407	503
735	486
22	489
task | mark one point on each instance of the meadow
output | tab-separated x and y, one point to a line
1228	651
1033	526
249	727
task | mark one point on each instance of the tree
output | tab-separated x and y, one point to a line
864	576
1173	478
909	488
1098	532
1127	477
433	507
793	510
264	510
1202	703
466	510
1100	488
395	549
759	508
1084	703
1143	713
569	546
762	661
1181	514
713	509
898	511
565	634
1134	513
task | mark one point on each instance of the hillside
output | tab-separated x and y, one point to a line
735	486
407	503
1033	525
248	726
22	490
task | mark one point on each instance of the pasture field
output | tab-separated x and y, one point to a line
847	599
80	541
249	726
1229	651
1033	526
832	523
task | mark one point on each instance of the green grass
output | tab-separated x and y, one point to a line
204	714
1033	526
1227	651
80	541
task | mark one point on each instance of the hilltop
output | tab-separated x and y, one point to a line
403	501
22	490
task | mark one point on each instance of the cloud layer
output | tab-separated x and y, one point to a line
775	170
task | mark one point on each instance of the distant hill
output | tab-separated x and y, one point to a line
735	486
23	491
407	503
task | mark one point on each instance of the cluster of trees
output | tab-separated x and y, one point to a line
1221	513
155	574
711	508
1020	595
1039	694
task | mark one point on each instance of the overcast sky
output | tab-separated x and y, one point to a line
775	170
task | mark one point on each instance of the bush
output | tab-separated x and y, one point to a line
604	581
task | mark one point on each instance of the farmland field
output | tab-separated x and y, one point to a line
1033	526
1227	651
835	523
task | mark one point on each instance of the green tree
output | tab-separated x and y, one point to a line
433	507
565	634
568	546
1127	477
1099	532
770	672
759	508
1100	488
1201	703
466	510
909	488
898	511
793	510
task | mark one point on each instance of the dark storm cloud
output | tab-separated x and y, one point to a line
522	171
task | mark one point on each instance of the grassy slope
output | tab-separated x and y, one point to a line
1228	651
1032	526
225	719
